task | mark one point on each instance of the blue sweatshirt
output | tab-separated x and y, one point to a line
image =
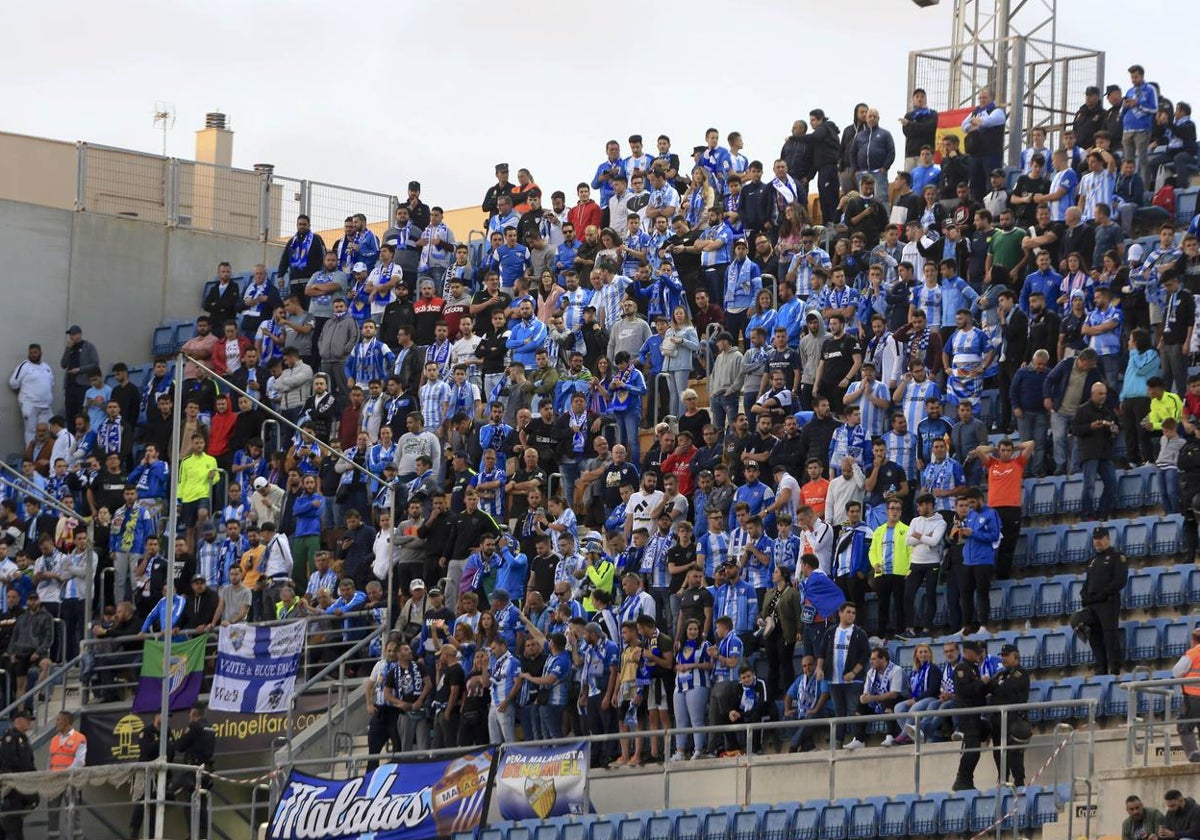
981	545
307	511
525	351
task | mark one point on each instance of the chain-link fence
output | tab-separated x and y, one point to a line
218	199
118	182
329	205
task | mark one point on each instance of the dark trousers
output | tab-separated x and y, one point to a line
864	711
855	589
954	614
445	731
1008	369
981	167
918	576
1015	758
890	589
74	394
781	670
722	696
1104	635
1137	439
828	189
975	586
972	727
1189	722
381	731
601	721
71	613
1010	530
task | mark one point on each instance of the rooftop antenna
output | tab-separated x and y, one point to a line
164	120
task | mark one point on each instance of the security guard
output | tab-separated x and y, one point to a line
68	751
1106	575
16	756
1010	686
148	750
196	746
1189	666
971	692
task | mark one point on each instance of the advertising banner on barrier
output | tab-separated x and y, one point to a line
411	800
542	782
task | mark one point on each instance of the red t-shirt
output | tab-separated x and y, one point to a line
1004	480
813	493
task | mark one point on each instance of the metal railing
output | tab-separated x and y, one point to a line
1142	730
662	385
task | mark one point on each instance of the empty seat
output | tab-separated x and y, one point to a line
1076	544
1137	538
547	831
1139	590
1027	646
1075	595
1131	486
1176	638
864	819
577	830
893	817
1070	497
1061	691
162	341
1169	589
1081	650
954	817
1117	704
1143	641
925	813
632	828
1043	807
689	825
492	834
1193	586
1045	545
776	823
982	813
1096	688
1015	810
1021	599
1166	536
603	829
1021	552
1051	598
804	823
745	824
834	823
521	832
1054	652
1041	495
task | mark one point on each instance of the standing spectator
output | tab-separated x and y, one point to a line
1188	667
33	380
1137	117
1107	573
1096	426
1006	473
301	257
980	529
826	153
925	536
969	693
68	751
984	128
920	129
223	300
78	360
873	152
890	558
1179	320
843	660
16	756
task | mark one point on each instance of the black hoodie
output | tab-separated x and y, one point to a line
826	148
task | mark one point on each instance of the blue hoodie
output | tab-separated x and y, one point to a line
525	351
981	545
1141	366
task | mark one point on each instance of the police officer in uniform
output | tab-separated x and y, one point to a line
148	749
196	747
16	756
1010	686
970	691
1106	575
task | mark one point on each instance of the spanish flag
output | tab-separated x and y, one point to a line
950	123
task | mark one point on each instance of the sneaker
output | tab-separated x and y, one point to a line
1194	758
853	744
888	741
911	731
677	756
902	741
956	736
963	785
698	756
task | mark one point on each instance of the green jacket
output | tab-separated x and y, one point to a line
1151	820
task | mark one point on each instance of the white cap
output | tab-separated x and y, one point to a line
1136	252
359	266
260	483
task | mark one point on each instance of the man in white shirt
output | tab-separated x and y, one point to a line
816	537
925	535
849	486
787	493
33	380
276	564
64	441
641	506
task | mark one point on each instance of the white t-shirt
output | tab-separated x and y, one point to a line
639	507
793	497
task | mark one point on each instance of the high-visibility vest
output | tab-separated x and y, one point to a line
63	749
1193	672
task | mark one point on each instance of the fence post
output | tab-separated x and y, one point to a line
171	191
81	161
305	192
264	206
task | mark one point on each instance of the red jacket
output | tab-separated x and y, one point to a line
582	215
219	432
680	466
219	361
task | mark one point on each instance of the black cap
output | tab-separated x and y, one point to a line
461	453
1112	88
1005	650
1099	531
20	713
973	644
74	329
414	185
998	171
699	150
1092	90
501	167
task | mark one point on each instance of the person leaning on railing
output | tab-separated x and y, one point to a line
1188	667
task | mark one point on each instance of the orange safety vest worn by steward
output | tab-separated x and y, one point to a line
1193	672
63	749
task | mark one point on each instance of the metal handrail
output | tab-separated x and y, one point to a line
658	384
1161	687
41	685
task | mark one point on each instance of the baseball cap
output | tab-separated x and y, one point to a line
414	185
199	577
974	645
1136	252
1092	90
1005	650
1099	532
435	591
74	329
501	167
358	266
20	713
260	482
417	583
1112	89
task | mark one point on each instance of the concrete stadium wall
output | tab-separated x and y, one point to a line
116	278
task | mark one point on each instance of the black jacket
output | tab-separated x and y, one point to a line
920	132
969	687
1094	444
797	152
1107	573
955	171
789	453
858	655
196	745
399	313
816	435
466	532
16	756
1016	336
316	256
200	609
222	306
826	148
1009	687
1087	122
1186	821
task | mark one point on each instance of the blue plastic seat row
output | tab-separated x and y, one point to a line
843	819
1136	488
1147	536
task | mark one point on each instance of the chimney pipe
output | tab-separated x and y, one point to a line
264	168
214	119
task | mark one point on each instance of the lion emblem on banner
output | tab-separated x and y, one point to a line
237	636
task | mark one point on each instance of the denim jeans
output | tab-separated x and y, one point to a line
1111	367
845	701
1102	467
1060	429
675	386
931	726
724	409
531	722
502	725
627	434
691	709
551	718
1168	480
916	706
1035	426
569	468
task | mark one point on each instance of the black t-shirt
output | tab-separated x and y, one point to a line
1028	185
520	501
546	439
108	489
891	475
1057	229
692	604
483	319
679	555
541	573
615	476
532	665
450	677
838	356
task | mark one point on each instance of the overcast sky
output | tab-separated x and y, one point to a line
372	95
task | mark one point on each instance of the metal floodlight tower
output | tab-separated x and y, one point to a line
1010	46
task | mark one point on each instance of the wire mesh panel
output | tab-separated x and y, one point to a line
118	182
285	201
329	205
218	199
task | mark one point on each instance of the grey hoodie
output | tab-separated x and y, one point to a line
726	373
810	351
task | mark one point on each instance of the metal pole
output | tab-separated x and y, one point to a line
172	526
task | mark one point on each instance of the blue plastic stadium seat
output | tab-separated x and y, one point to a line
1070	499
1062	690
1051	597
547	831
1144	641
1117	704
998	600
1137	538
1043	807
182	333
1170	589
1098	688
1015	810
893	816
925	813
1028	644
1037	694
776	823
632	828
578	828
746	823
492	833
864	820
1176	638
1022	596
954	817
463	835
1021	557
604	828
1166	536
1193	586
1042	495
689	825
162	341
1055	651
715	826
1081	650
1076	544
835	819
1075	595
1130	490
520	832
1139	590
982	812
1045	544
804	823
